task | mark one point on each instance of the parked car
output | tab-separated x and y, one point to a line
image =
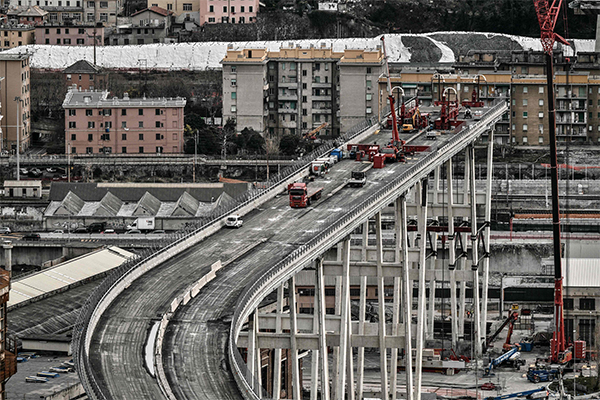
23	171
4	230
50	169
109	231
80	230
35	172
158	232
58	231
32	236
133	232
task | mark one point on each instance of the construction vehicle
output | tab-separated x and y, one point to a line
475	101
511	358
530	394
337	153
312	135
547	14
432	362
448	115
357	179
509	321
318	168
536	374
302	196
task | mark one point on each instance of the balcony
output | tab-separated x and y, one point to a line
325	85
288	97
322	111
287	110
320	98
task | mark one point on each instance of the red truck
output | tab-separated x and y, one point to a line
301	195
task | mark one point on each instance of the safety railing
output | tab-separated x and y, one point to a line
337	227
171	245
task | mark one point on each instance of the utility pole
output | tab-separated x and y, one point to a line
195	155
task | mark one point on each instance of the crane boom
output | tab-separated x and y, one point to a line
395	134
547	16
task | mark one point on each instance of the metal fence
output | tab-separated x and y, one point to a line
81	334
336	227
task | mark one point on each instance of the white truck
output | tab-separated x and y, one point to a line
144	224
234	221
357	179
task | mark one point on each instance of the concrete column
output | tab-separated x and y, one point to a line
336	349
8	258
344	324
396	305
463	292
314	359
251	356
432	285
452	253
360	367
474	251
486	233
422	227
365	240
323	359
293	353
258	359
277	355
407	300
381	301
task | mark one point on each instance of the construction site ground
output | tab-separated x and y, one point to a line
466	383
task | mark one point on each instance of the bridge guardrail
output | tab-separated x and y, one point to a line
248	301
122	276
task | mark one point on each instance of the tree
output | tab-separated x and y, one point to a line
289	144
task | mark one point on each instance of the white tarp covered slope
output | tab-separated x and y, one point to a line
207	55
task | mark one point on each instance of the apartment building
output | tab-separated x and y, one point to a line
8	350
96	124
27	15
83	75
211	11
15	100
69	35
16	35
301	89
151	25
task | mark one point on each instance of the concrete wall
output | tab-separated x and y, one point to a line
247	82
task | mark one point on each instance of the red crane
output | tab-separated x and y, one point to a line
395	135
547	13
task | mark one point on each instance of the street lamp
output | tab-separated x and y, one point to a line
195	155
18	100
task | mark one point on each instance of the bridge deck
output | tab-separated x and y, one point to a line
194	353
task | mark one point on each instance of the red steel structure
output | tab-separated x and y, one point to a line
547	14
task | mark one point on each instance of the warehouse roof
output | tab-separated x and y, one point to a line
61	276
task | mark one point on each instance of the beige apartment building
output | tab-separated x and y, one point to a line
211	11
297	90
14	92
16	35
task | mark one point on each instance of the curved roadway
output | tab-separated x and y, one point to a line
194	352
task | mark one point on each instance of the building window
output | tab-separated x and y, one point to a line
124	150
368	84
524	139
233	95
123	136
234	82
157	111
187	6
541	114
89	150
525	102
211	19
141	136
233	9
541	128
369	96
47	42
158	124
123	110
66	41
211	9
58	31
88	113
103	17
170	7
141	149
123	124
140	124
242	9
541	102
72	113
90	137
57	41
140	111
91	124
90	17
369	110
250	9
233	108
72	124
159	136
524	127
524	89
80	41
541	89
524	114
108	124
587	304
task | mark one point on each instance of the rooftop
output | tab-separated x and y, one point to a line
14	56
156	10
82	67
99	99
24	11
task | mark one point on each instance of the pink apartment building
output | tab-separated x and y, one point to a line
211	11
95	124
69	35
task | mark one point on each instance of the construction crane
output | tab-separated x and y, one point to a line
396	142
547	14
313	134
509	321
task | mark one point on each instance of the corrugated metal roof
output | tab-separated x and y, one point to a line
581	272
186	206
67	273
148	205
71	205
109	205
